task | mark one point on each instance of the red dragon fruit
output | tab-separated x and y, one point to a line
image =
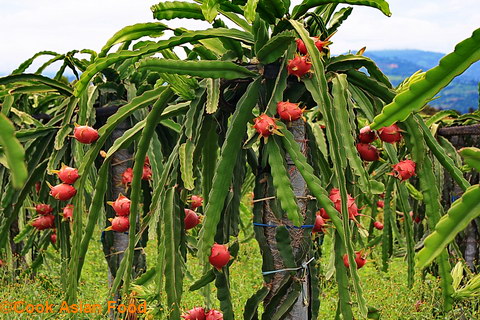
44	222
121	206
319	225
43	209
415	218
63	191
68	212
289	111
191	219
195	202
360	260
67	174
53	238
368	152
85	134
265	125
214	315
378	225
366	135
146	173
197	313
38	186
390	134
119	224
320	44
323	213
299	66
220	256
352	206
404	170
301	46
127	177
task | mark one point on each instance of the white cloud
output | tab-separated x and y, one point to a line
63	25
427	25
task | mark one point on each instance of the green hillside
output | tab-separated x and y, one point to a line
461	94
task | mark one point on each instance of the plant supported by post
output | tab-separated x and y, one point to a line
175	145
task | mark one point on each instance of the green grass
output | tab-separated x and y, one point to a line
387	292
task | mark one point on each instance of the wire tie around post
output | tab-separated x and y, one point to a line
305	226
303	266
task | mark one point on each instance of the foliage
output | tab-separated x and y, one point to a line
192	117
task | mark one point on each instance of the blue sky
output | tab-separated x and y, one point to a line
29	26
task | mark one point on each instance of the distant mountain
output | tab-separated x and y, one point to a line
461	94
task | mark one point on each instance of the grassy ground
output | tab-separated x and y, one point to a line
385	291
